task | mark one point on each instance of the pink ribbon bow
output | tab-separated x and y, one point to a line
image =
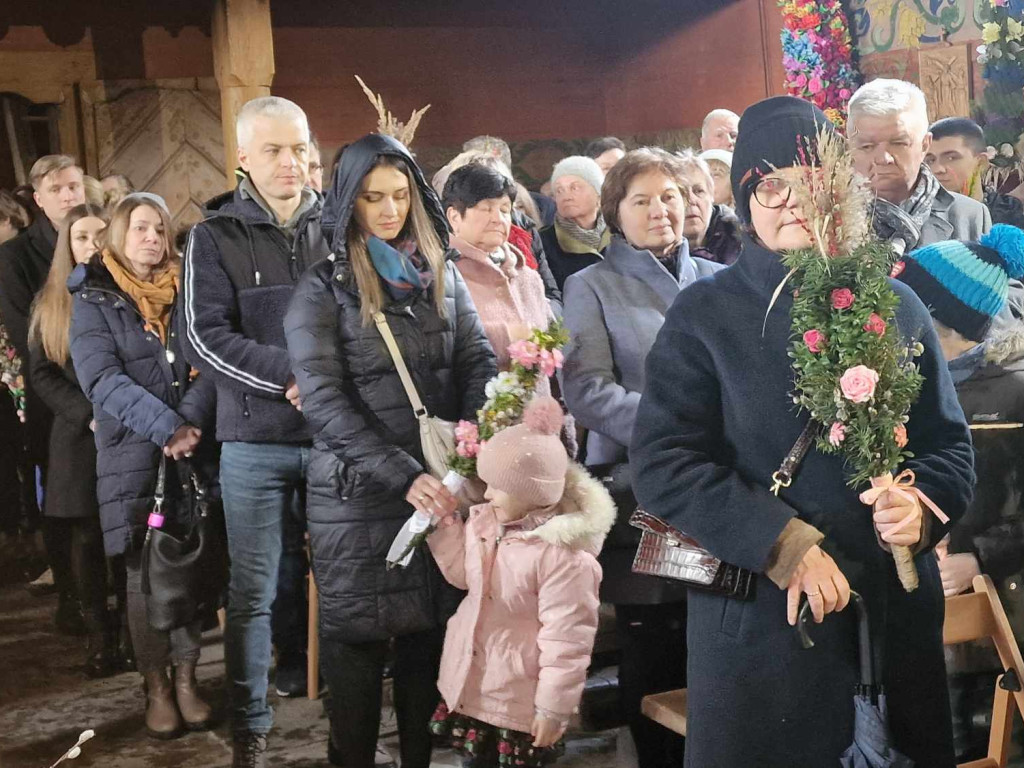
903	485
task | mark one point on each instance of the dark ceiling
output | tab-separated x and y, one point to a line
65	21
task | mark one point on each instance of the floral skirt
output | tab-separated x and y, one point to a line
487	744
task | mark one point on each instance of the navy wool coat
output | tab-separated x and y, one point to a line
715	421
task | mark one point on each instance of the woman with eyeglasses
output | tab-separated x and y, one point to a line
716	420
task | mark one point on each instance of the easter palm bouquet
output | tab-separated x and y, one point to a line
854	373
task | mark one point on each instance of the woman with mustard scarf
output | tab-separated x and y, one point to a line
131	365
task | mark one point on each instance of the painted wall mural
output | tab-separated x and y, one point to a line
885	25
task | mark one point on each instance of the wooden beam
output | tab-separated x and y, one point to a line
243	59
12	140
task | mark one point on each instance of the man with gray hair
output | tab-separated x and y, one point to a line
719	130
240	269
888	132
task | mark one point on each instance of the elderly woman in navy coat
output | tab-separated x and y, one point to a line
715	421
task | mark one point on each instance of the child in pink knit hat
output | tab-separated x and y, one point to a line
516	652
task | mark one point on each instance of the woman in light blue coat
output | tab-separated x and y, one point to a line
614	310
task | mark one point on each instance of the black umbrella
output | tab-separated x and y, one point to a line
872	742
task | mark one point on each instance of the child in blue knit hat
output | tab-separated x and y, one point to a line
967	286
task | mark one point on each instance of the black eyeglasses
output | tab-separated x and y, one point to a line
772	192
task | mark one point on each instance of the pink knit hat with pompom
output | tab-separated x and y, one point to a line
528	461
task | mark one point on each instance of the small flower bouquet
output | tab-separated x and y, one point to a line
11	375
854	372
539	355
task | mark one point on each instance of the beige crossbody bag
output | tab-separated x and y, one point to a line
437	436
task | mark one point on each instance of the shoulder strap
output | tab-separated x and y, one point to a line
783	478
161	480
403	372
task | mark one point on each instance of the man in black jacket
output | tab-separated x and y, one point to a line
24	265
241	266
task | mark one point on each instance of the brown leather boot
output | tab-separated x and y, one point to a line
163	721
195	712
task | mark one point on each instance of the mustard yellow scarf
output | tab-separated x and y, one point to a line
154	297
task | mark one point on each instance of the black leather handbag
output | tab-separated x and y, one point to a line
184	564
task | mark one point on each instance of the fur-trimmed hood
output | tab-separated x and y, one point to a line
581	520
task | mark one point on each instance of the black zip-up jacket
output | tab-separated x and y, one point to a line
240	269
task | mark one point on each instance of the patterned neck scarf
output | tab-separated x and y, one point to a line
401	267
589	237
901	224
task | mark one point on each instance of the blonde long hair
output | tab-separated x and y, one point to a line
50	322
418	226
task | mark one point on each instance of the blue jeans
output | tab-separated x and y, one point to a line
263	484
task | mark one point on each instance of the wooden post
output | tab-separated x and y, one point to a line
243	58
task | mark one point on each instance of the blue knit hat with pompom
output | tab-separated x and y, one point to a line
965	284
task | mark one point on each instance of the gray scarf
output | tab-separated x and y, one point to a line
901	224
589	237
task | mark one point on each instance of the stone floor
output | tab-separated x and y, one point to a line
46	702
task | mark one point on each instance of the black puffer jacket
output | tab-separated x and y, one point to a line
366	450
141	394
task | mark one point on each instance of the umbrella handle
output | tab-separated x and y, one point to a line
805	618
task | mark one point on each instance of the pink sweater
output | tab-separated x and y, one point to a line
509	298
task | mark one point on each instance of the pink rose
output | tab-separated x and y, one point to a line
468	450
837	434
550	361
875	324
858	384
842	298
897	269
900	435
524	352
815	340
467	431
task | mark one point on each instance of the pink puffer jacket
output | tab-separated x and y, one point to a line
520	642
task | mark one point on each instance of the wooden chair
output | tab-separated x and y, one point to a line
968	617
973	617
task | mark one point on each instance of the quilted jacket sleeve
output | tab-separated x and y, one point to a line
448	546
105	382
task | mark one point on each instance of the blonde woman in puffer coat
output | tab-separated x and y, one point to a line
516	653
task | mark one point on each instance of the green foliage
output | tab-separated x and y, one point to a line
870	447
